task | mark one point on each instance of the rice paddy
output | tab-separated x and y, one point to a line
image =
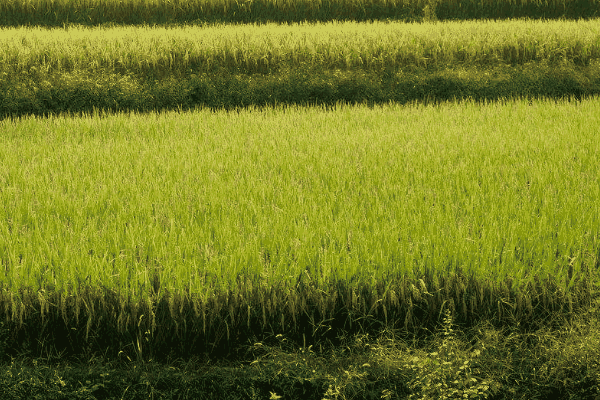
203	203
277	235
268	48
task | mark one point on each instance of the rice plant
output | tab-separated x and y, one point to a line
266	216
156	52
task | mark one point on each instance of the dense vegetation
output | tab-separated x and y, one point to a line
198	233
143	69
161	12
406	247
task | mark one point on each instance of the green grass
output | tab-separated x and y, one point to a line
177	228
77	69
260	49
302	253
95	12
55	13
260	218
205	197
499	364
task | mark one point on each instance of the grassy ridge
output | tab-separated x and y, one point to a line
143	69
95	12
216	227
554	364
77	93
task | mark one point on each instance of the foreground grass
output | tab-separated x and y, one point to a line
482	362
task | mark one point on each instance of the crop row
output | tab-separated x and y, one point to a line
94	12
262	49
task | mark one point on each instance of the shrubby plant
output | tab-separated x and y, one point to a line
447	373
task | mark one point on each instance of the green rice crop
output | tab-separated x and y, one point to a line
57	12
159	51
200	200
95	12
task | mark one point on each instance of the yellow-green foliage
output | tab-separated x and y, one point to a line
120	69
156	52
446	373
221	206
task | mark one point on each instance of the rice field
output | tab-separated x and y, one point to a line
266	234
247	208
96	12
261	49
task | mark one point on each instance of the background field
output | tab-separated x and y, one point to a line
225	67
134	12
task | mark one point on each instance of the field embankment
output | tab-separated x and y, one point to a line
142	69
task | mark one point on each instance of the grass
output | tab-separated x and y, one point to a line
77	69
497	364
151	51
200	11
289	252
272	194
94	12
205	229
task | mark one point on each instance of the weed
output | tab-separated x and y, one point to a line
447	373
